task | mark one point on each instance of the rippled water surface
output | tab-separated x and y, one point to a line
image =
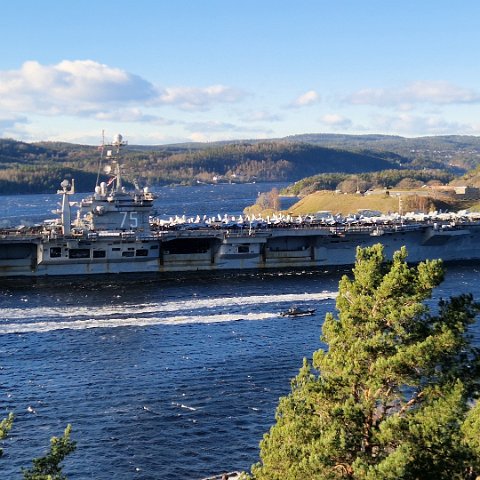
161	378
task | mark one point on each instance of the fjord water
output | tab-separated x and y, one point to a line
161	378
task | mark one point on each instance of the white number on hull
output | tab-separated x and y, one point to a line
133	220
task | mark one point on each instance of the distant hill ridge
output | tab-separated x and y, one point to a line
41	166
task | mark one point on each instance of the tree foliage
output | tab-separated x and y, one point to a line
390	397
332	157
349	183
5	427
266	204
49	467
267	161
421	152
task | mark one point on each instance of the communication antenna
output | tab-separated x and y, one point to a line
117	143
101	148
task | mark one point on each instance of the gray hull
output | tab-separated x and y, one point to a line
214	250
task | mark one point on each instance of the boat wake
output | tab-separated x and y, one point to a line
196	311
127	322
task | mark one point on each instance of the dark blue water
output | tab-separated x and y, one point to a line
160	378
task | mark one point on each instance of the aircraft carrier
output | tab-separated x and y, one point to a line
113	232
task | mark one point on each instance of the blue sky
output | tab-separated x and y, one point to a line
161	71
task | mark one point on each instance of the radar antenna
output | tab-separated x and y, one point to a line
66	215
116	143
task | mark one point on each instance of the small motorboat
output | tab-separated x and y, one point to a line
229	476
297	312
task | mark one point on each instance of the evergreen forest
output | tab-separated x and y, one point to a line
40	167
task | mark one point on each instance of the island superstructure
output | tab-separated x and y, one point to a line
114	232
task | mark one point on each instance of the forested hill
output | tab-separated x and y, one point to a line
273	161
462	151
40	167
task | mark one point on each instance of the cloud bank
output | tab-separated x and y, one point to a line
89	88
406	124
189	98
438	93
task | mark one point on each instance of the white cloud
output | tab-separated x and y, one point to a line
131	115
8	122
156	138
306	99
88	88
406	124
434	92
198	137
261	116
223	127
70	87
213	136
13	126
191	98
210	126
336	121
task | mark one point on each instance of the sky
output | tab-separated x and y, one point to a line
170	71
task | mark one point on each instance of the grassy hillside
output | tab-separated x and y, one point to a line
343	203
350	203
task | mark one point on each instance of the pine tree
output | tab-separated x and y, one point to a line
392	394
5	427
49	467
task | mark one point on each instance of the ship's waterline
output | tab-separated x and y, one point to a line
263	249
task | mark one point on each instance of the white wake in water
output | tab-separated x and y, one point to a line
7	314
16	320
127	322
